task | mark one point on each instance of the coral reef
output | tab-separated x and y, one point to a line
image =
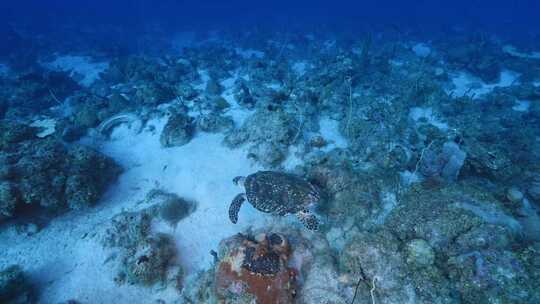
269	133
376	257
492	276
14	286
153	94
13	132
92	110
322	284
8	200
44	173
36	91
420	253
476	54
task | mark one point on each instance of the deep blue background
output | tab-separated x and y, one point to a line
517	19
518	13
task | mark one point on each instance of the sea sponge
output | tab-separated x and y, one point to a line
255	270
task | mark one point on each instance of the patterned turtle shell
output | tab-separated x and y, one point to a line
279	193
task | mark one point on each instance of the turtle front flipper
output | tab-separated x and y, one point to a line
239	180
308	219
235	207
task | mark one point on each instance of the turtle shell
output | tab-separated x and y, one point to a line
280	193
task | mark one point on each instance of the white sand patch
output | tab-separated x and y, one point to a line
205	77
276	86
329	130
64	109
66	261
421	50
507	79
300	67
249	53
467	84
511	50
238	114
429	116
522	106
201	171
228	84
47	126
293	159
82	68
408	178
388	200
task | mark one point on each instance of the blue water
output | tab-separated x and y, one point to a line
516	19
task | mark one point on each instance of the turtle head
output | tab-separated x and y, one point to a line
309	220
239	180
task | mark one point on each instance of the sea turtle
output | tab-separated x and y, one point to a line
277	193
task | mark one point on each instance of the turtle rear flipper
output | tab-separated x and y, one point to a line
308	219
234	208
